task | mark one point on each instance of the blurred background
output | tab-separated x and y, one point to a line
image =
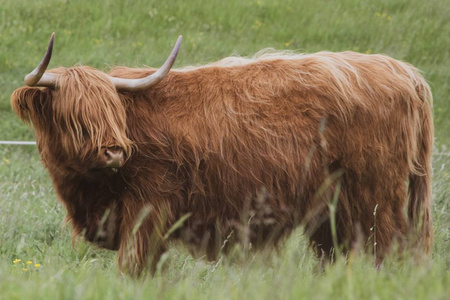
107	33
37	259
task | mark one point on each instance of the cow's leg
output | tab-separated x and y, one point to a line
378	209
388	229
328	222
142	240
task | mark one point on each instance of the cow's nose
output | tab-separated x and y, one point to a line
112	157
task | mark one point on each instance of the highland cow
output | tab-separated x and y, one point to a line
242	150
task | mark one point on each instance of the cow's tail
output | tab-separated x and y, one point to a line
419	206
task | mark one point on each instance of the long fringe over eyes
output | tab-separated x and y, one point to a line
89	110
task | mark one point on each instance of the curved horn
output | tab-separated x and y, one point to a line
134	85
37	77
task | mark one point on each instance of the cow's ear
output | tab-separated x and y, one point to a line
29	102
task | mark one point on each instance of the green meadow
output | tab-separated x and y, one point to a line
37	257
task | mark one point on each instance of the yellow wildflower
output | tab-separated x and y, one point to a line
29	262
287	44
16	261
24	269
37	265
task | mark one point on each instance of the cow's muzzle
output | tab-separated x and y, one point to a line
112	157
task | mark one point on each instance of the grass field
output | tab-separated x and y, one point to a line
136	33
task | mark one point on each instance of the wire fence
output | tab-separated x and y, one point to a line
34	144
17	143
442	154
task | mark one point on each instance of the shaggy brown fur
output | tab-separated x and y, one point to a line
250	146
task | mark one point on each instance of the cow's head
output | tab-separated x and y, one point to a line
78	117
